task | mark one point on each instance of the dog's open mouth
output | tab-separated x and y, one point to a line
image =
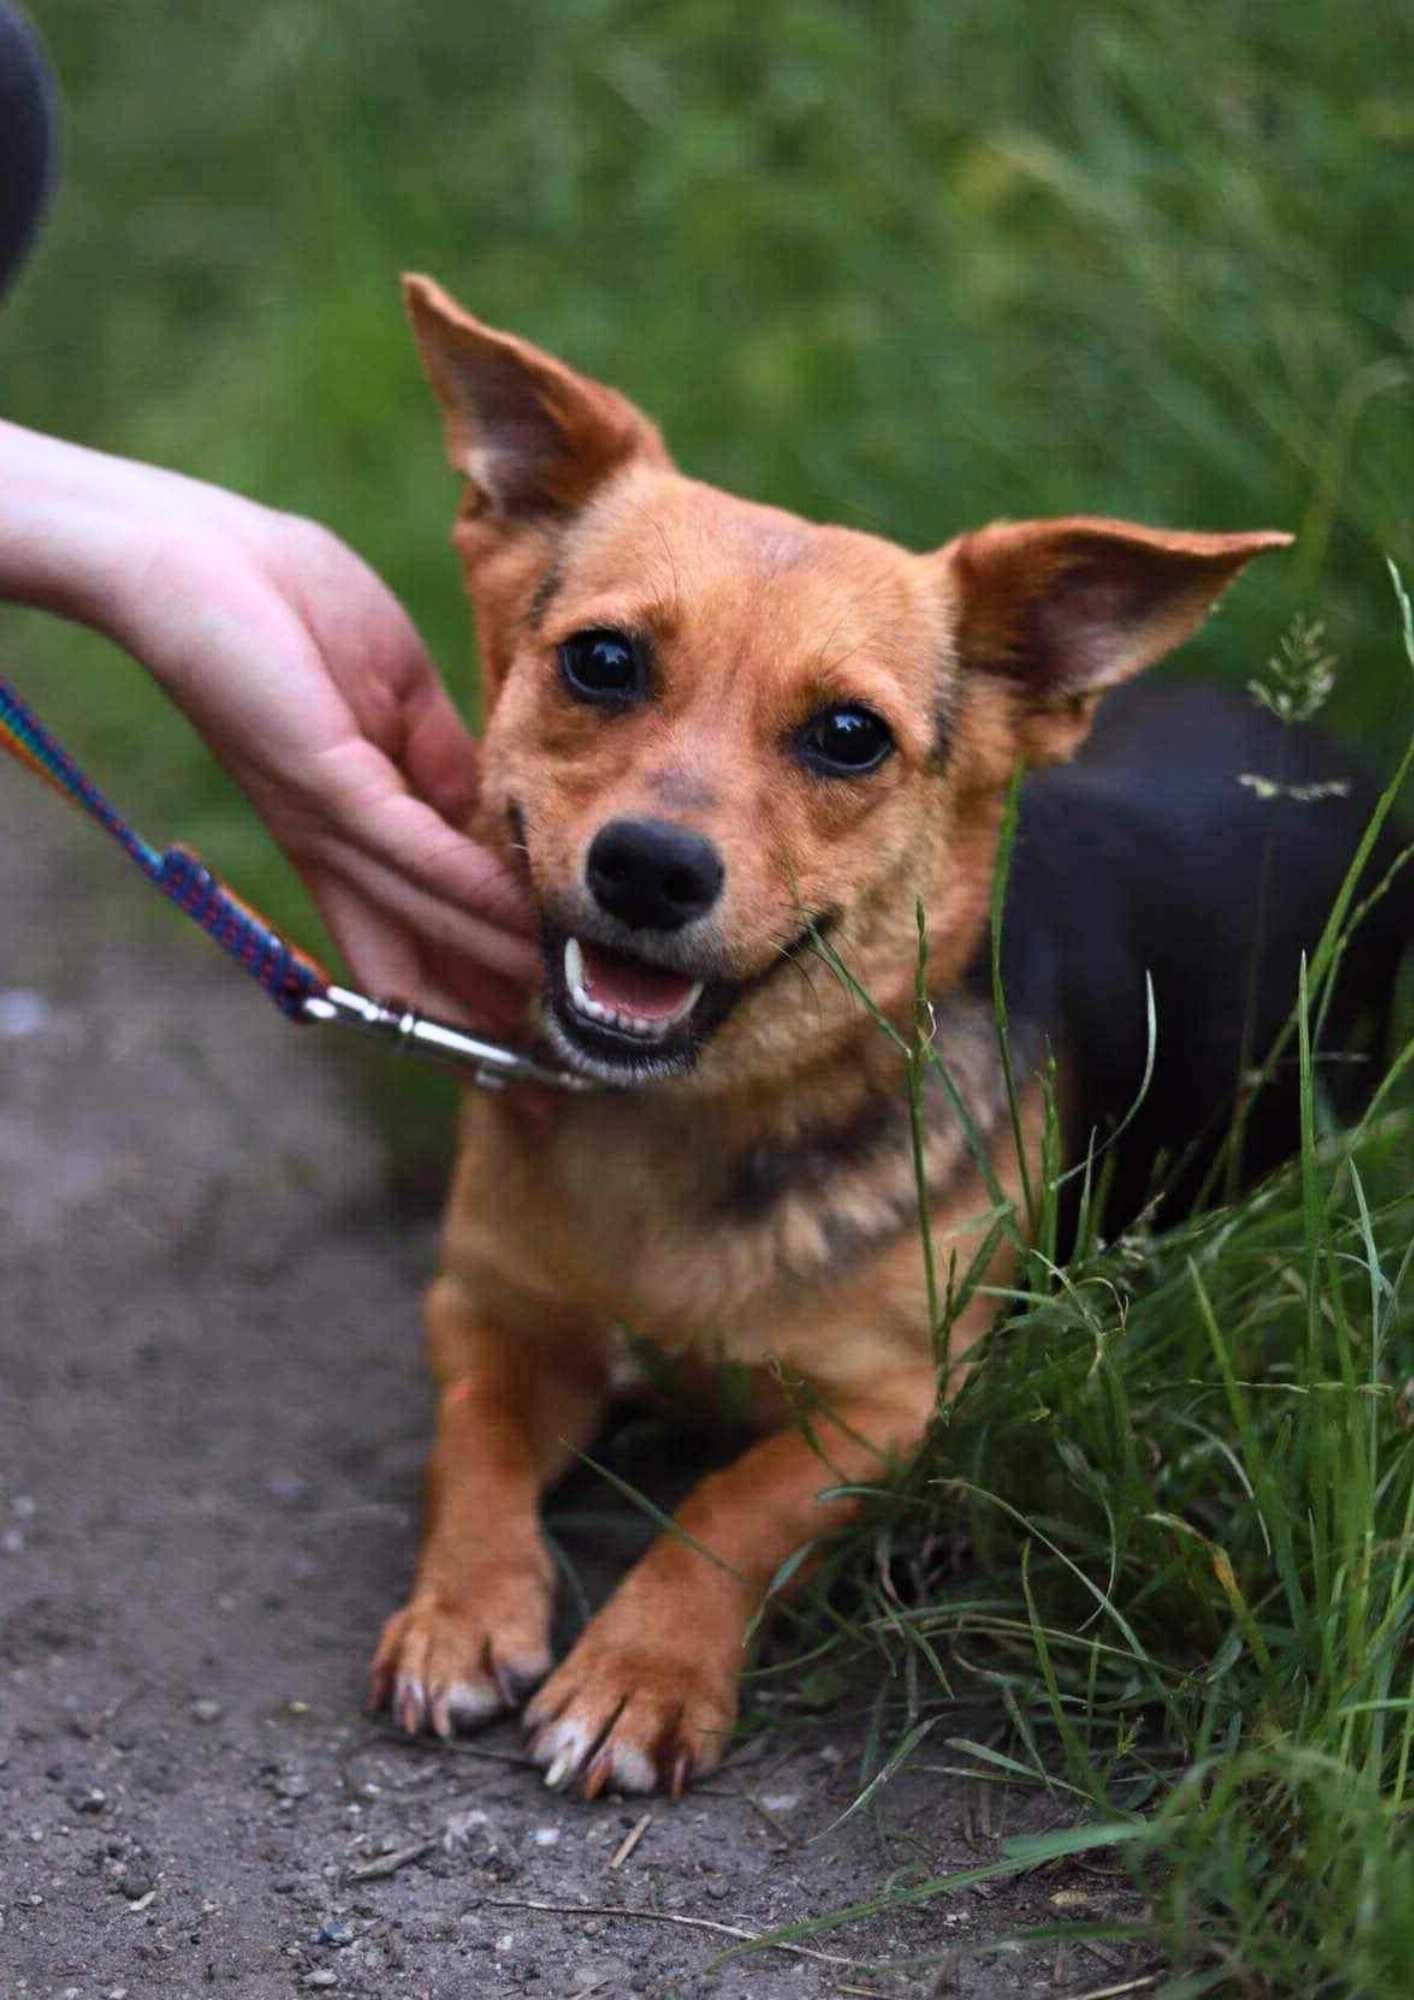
626	1019
645	1001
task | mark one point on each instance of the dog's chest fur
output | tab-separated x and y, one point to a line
705	1224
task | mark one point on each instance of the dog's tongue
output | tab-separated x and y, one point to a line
645	990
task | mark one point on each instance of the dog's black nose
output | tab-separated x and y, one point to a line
653	876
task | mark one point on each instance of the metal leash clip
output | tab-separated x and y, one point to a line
490	1065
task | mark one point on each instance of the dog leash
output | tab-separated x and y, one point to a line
299	986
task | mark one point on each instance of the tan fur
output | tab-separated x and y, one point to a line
638	1208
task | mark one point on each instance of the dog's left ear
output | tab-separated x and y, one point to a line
1064	610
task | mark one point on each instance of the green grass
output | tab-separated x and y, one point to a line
910	267
1185	1476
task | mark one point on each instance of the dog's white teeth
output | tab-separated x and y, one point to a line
647	1028
686	1005
574	972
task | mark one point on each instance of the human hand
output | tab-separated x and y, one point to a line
309	683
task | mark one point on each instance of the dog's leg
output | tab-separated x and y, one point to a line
474	1635
648	1696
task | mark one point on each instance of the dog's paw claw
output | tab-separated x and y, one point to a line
629	1723
410	1705
445	1669
560	1768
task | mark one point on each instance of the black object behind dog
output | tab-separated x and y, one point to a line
26	138
1150	854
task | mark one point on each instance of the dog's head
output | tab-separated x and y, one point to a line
715	728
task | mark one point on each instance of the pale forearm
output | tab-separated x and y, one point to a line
78	527
63	532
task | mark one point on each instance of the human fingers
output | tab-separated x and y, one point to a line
434	924
440	756
374	655
387	964
351	796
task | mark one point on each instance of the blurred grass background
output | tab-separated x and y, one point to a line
905	266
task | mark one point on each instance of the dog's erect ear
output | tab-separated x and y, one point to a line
533	437
1064	610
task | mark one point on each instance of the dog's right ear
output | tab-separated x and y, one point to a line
533	438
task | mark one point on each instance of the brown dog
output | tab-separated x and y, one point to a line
714	731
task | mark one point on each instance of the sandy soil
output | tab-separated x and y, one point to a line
211	1422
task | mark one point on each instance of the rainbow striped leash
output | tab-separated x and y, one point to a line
297	983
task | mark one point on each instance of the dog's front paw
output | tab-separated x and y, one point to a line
634	1710
446	1664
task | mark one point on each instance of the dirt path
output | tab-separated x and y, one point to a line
211	1421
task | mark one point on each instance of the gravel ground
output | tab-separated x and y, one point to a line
211	1422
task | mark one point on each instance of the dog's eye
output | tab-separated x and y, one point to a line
845	742
602	666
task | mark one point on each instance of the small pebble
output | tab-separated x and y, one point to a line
23	1012
206	1710
460	1826
324	1977
292	1489
334	1933
90	1800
